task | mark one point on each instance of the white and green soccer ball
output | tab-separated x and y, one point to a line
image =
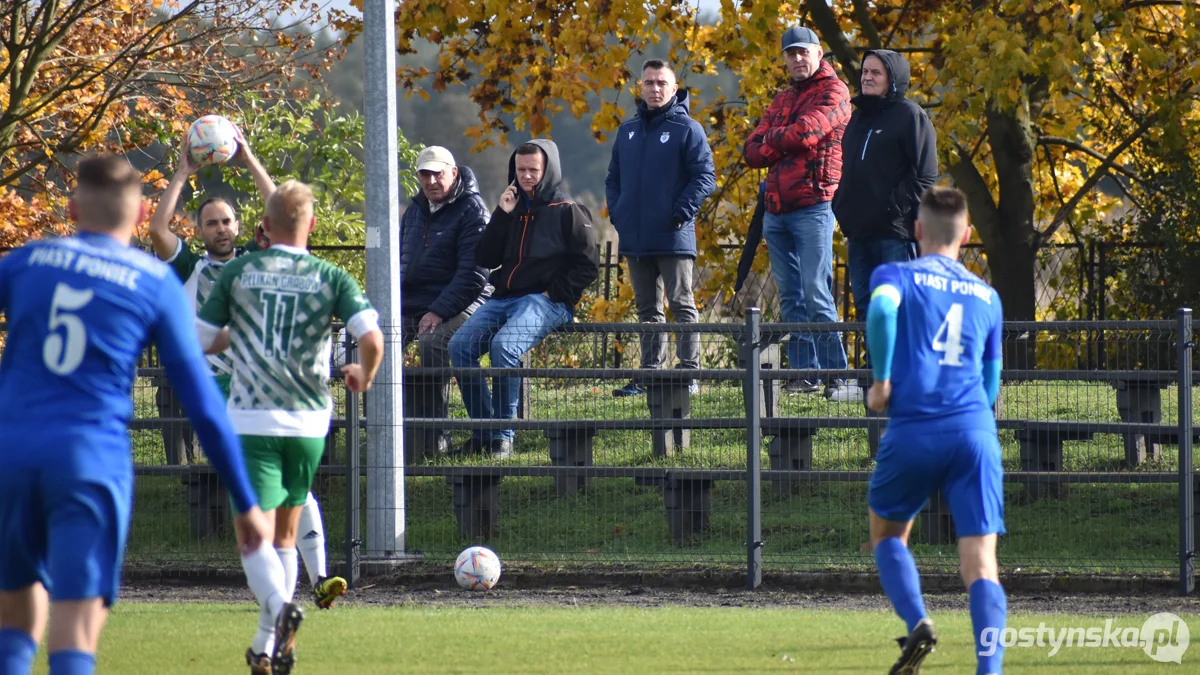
212	139
477	569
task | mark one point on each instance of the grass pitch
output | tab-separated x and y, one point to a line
490	638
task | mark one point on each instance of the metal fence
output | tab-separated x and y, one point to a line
1071	280
731	466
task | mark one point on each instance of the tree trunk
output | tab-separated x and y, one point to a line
1007	228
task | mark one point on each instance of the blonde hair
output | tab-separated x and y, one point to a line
108	191
290	206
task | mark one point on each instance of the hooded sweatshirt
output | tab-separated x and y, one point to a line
889	158
547	244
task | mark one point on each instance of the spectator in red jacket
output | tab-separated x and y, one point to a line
799	142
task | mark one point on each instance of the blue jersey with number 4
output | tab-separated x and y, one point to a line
80	311
948	323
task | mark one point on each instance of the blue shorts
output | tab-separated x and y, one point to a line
915	461
69	535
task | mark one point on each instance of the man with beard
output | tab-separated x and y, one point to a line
218	226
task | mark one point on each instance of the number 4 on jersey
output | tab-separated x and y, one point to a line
948	338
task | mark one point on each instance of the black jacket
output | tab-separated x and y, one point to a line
547	244
438	272
889	158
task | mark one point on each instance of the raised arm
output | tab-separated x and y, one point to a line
165	241
247	158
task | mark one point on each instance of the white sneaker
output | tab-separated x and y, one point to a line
847	392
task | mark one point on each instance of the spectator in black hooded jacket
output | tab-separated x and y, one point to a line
889	158
440	283
542	247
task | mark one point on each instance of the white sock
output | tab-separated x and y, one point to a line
311	540
287	556
264	638
265	576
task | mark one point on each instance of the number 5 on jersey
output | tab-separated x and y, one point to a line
948	339
62	355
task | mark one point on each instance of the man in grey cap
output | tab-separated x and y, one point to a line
440	284
798	141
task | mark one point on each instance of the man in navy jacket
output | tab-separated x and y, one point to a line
440	284
660	173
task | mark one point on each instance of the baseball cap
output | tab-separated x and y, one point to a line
434	158
799	36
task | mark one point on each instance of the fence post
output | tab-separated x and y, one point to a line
353	487
1187	534
752	395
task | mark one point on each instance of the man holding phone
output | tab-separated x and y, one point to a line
543	253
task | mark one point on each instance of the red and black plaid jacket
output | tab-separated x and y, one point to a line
800	139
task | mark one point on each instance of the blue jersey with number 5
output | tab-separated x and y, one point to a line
948	323
80	311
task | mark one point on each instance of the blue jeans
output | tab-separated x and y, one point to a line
507	328
800	244
864	254
867	253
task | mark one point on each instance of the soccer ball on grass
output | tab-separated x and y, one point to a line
212	139
477	569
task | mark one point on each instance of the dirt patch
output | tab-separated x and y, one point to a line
444	595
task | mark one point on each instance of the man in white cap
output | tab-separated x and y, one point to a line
799	142
440	284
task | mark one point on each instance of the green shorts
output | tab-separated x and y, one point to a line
282	468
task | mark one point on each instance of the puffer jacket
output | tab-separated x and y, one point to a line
438	272
660	173
800	139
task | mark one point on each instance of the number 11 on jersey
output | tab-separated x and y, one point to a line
948	339
279	316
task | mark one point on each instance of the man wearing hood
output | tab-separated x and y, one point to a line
889	156
543	253
440	284
660	173
799	141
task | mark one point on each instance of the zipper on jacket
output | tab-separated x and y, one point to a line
520	249
865	143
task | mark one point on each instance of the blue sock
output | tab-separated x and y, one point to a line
988	610
17	649
898	576
72	662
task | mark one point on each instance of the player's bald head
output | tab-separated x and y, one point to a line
290	207
108	193
943	216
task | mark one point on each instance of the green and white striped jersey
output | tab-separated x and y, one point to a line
198	272
279	305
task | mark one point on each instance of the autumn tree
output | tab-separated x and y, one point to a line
83	75
1036	102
